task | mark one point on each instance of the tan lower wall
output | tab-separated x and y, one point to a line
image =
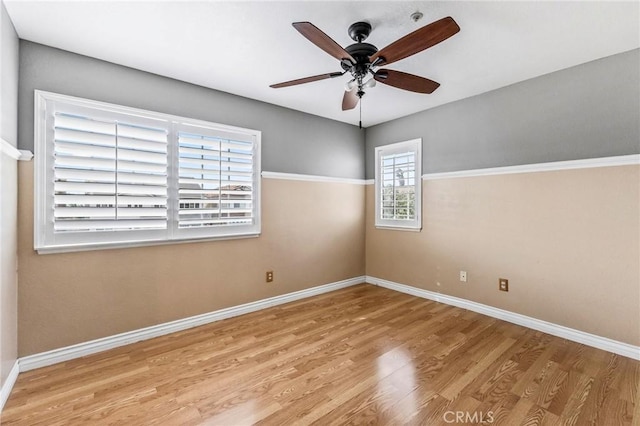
568	241
312	234
8	256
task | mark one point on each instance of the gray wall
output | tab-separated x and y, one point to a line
591	110
588	111
292	141
8	78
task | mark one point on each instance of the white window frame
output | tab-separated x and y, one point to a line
46	240
413	145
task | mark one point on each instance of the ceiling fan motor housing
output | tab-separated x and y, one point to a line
361	53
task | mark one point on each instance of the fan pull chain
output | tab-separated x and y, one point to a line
360	122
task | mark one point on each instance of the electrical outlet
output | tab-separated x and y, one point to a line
269	276
503	284
463	276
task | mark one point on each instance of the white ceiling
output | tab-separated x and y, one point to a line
243	47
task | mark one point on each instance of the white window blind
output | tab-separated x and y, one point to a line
398	189
398	186
108	175
216	181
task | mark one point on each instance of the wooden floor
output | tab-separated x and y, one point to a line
359	355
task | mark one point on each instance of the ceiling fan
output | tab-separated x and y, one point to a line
361	59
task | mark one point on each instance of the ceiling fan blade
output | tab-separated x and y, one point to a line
350	100
402	80
417	41
323	41
306	80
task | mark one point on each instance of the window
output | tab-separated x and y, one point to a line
108	175
397	185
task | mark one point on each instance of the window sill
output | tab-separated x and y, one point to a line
399	228
72	248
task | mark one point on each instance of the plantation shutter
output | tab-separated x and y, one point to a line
113	176
216	179
108	175
398	186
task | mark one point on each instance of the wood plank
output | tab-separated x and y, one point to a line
358	355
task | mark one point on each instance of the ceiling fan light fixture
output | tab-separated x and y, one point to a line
370	83
351	84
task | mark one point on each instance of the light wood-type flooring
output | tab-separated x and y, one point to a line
361	355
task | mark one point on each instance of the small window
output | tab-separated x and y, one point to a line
108	175
397	185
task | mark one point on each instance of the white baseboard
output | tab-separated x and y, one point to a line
82	349
588	339
7	386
